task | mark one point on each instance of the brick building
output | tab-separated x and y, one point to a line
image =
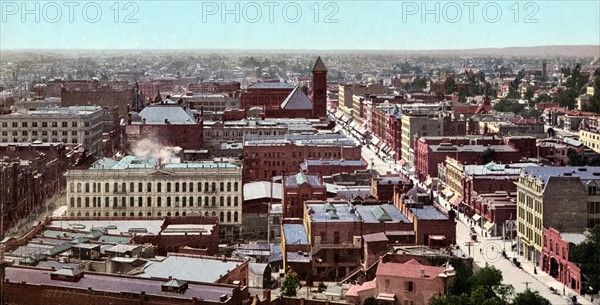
299	188
265	95
269	156
336	230
431	151
432	227
25	286
30	174
163	125
207	86
115	97
331	167
382	187
555	257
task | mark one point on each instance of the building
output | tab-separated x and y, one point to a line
75	125
464	182
340	234
140	187
30	174
432	227
424	124
555	257
265	95
589	133
299	188
347	92
331	167
269	156
319	89
210	102
25	285
217	132
113	96
162	125
403	283
558	197
383	187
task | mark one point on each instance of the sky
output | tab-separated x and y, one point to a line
297	25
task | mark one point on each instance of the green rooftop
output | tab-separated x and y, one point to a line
380	214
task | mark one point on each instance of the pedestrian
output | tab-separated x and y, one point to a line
481	251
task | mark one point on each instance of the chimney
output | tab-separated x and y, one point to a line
128	115
144	121
167	121
423	272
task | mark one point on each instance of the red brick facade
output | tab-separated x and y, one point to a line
555	259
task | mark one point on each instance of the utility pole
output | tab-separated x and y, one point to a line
526	285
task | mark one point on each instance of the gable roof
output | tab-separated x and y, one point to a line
296	100
319	66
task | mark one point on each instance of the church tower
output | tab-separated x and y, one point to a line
319	90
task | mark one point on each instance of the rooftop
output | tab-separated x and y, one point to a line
115	283
320	139
261	189
428	212
473	148
544	173
513	169
173	114
410	269
295	234
187	268
271	85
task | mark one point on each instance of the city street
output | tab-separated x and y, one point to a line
489	250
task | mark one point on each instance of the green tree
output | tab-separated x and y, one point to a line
371	301
529	297
487	156
358	76
290	284
450	85
587	256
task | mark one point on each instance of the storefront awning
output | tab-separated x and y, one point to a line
447	193
402	162
455	200
488	226
437	237
476	217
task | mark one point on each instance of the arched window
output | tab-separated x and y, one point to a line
176	213
221	201
222	217
131	214
149	187
228	201
72	200
106	214
72	214
235	216
168	213
78	187
214	186
235	201
229	186
87	214
87	202
159	214
228	216
235	186
72	187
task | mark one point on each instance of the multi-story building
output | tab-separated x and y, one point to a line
346	96
70	125
166	125
113	96
299	188
212	102
139	186
465	182
30	174
331	167
426	123
265	95
589	133
560	197
216	132
557	249
269	156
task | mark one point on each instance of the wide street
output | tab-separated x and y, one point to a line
488	251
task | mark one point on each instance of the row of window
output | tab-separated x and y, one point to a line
44	124
594	207
139	187
223	217
43	133
96	202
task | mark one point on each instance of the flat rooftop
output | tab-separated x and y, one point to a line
117	284
188	268
116	227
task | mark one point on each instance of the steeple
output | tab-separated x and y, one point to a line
319	66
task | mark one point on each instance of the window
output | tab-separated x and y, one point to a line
176	186
149	202
221	201
235	186
229	186
409	286
106	187
158	187
235	201
228	201
214	187
168	186
168	201
149	187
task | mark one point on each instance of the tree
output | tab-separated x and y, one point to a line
587	256
358	76
371	301
487	156
449	85
529	297
290	284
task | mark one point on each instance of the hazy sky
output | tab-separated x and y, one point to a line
309	25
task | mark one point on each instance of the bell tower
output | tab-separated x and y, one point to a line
319	90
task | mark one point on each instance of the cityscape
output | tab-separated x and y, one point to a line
317	172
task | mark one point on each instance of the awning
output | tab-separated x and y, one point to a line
393	153
375	140
437	237
386	297
455	200
488	225
402	161
476	217
447	193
